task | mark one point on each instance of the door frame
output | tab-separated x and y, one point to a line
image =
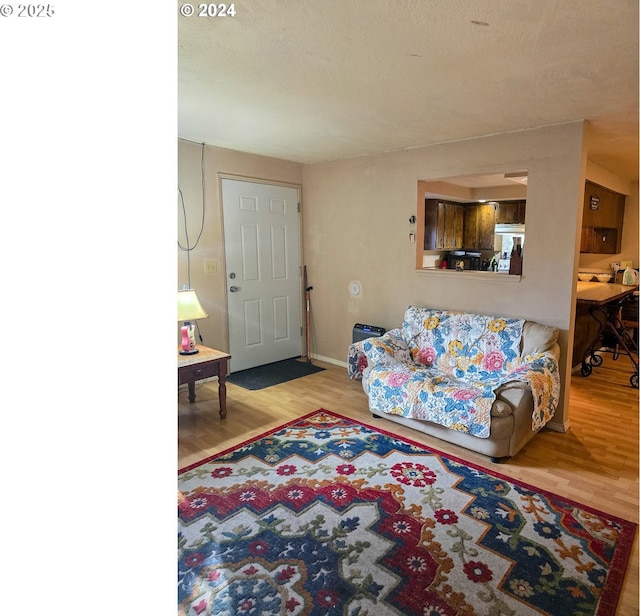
225	298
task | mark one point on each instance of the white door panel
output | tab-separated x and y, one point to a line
264	294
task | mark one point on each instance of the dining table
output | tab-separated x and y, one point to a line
604	303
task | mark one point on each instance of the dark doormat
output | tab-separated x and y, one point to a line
272	374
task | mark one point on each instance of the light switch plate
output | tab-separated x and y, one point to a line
210	266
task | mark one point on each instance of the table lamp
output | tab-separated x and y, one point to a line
189	309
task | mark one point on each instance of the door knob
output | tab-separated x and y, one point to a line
234	289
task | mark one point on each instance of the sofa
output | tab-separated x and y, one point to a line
486	383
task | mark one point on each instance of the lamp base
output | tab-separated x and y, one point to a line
188	346
189	352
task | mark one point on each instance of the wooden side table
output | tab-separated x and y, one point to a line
207	363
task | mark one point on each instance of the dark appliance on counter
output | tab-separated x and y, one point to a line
469	260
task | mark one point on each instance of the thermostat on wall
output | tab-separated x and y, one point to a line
354	288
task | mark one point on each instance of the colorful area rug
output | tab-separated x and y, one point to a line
329	516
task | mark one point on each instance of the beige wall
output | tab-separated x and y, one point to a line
356	228
211	288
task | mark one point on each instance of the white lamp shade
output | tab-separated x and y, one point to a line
189	308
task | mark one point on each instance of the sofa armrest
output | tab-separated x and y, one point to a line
356	360
372	351
536	377
390	347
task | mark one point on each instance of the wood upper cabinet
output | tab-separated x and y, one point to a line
443	225
599	240
479	226
602	207
433	224
510	212
454	225
602	218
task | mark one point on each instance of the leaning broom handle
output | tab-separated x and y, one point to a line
306	299
308	326
307	291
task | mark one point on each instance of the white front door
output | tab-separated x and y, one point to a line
264	286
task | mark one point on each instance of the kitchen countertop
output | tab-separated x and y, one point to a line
471	275
600	293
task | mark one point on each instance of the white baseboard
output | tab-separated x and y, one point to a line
330	360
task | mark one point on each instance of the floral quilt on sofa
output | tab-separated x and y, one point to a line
444	366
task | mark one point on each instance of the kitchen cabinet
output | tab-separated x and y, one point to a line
599	240
602	218
510	212
479	226
443	225
454	225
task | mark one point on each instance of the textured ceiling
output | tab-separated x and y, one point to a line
311	80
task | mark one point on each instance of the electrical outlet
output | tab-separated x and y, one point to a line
210	266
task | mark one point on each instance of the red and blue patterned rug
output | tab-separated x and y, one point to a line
329	516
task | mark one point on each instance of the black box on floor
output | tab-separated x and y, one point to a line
362	332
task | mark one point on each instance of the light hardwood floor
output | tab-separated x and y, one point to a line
595	462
